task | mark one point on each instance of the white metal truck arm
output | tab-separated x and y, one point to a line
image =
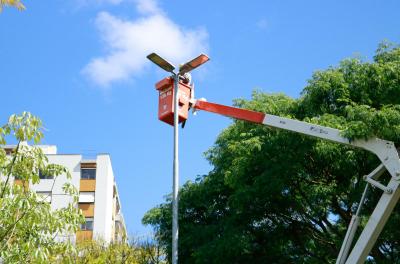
384	150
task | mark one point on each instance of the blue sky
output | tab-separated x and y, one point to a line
80	65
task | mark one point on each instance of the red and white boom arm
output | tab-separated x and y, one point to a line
384	150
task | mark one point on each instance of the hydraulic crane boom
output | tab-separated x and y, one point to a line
384	150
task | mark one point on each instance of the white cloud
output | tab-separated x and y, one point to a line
148	7
129	42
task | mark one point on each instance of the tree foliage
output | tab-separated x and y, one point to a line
136	252
275	196
28	226
13	3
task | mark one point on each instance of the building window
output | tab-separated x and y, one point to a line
8	151
88	225
88	174
43	176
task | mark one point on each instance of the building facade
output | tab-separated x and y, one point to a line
98	194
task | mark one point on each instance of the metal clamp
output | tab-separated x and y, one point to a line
378	185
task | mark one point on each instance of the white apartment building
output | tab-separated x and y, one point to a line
98	194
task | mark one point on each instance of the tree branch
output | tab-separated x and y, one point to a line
11	168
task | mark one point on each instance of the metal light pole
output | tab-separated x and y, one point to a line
175	181
164	64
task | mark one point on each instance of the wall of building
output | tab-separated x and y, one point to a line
103	223
98	197
58	197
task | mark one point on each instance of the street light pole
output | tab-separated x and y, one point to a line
175	183
185	68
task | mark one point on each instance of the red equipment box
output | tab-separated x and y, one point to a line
166	100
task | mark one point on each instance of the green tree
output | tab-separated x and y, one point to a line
14	3
28	226
136	252
275	196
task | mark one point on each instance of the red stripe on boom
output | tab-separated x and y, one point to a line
230	111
